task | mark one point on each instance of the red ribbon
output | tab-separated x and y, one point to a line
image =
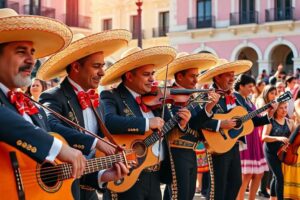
88	99
144	107
22	103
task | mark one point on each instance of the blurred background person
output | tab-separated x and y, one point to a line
36	88
275	135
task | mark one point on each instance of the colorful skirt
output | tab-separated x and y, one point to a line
202	164
252	159
291	175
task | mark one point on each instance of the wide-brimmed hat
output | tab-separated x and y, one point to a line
48	35
158	56
107	42
183	61
224	66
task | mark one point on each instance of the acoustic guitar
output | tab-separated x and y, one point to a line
23	178
224	140
145	147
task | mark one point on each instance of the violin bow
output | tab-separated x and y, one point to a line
59	116
163	108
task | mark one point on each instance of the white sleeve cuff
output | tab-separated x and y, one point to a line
94	144
208	114
54	150
147	124
100	183
218	126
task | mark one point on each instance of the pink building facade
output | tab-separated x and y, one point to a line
267	32
75	13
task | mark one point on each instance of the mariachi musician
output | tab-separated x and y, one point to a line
185	70
76	99
125	112
226	167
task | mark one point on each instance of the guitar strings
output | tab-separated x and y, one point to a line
62	174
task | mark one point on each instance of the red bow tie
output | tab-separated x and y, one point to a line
88	99
144	107
22	103
230	99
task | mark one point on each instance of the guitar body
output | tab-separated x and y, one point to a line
216	143
35	187
145	158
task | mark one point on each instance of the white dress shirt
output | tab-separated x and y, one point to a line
56	145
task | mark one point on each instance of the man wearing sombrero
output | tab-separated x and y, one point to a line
76	98
126	114
226	167
22	124
185	70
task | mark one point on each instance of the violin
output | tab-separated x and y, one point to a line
288	152
178	97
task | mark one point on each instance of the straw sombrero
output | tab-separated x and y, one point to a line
158	56
107	41
48	35
224	66
183	61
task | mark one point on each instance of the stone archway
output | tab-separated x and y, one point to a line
282	54
249	53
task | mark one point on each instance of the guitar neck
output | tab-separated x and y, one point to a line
92	165
168	126
255	112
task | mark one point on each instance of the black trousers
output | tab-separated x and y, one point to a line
146	188
80	194
227	175
274	163
186	174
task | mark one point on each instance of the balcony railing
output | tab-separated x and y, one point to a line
201	22
43	11
244	18
276	14
78	21
160	31
135	34
13	5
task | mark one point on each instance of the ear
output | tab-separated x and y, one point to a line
180	76
75	67
129	76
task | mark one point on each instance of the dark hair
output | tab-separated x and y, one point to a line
243	80
289	79
81	61
2	47
183	72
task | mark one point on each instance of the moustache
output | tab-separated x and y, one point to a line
25	68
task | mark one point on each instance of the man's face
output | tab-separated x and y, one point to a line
188	79
140	79
225	80
16	64
91	71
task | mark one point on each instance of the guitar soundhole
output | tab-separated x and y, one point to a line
139	148
238	122
48	177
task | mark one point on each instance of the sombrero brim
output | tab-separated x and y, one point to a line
48	35
107	41
237	67
158	56
202	61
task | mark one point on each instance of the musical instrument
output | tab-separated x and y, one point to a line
224	140
143	145
23	178
288	152
174	96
